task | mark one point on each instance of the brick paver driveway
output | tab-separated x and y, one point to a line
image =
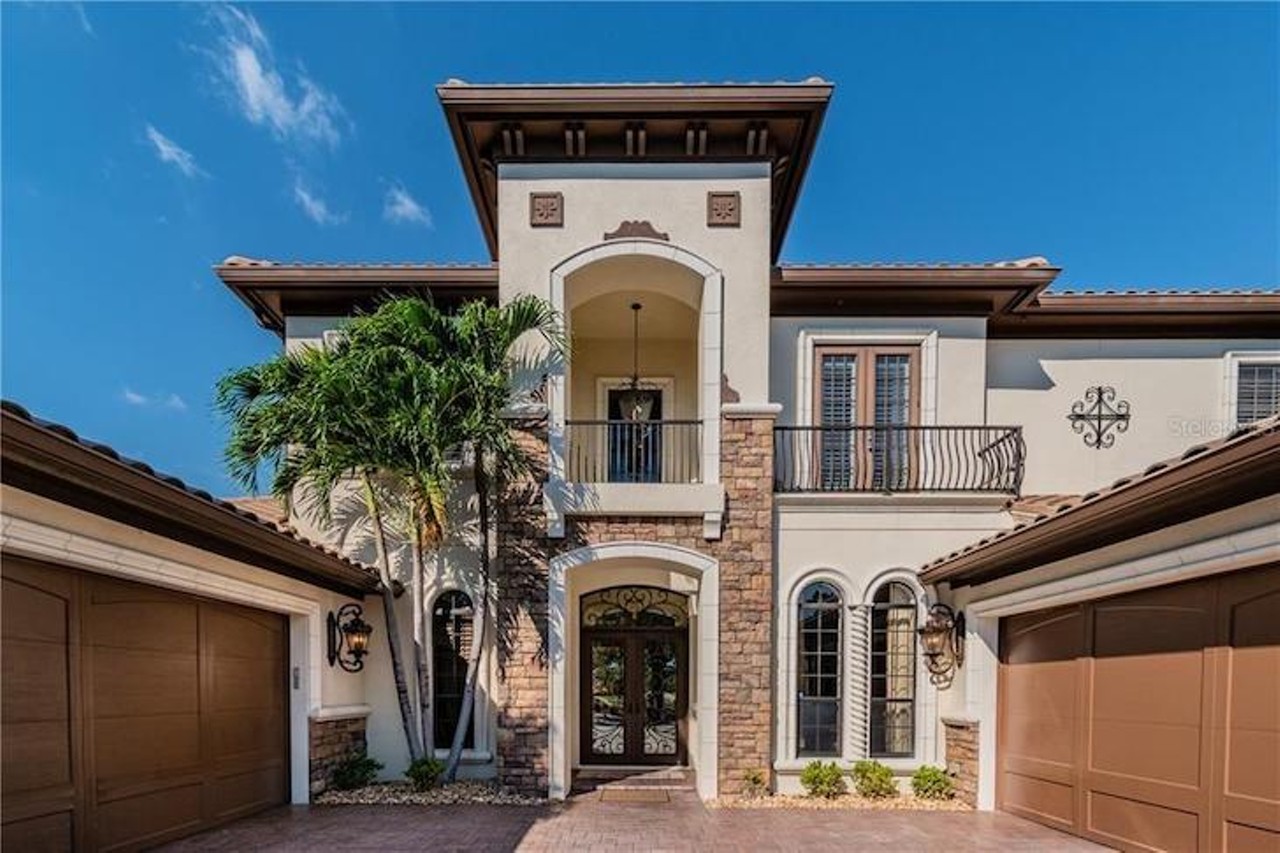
585	823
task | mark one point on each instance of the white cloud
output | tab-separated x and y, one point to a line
300	110
316	209
85	23
162	401
171	152
400	207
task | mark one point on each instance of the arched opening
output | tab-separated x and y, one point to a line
451	635
892	727
681	597
634	669
821	662
634	326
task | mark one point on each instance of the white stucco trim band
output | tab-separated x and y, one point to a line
706	570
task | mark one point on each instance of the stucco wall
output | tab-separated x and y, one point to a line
1176	390
673	198
859	547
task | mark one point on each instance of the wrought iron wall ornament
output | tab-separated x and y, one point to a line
634	607
1099	417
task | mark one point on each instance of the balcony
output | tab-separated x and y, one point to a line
898	459
620	451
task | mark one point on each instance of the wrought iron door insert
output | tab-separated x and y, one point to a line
634	676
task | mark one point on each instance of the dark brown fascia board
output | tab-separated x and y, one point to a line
977	290
43	462
260	287
1218	479
612	98
809	99
1144	315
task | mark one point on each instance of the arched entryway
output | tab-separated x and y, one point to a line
634	669
690	577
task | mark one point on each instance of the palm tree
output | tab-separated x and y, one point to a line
485	356
384	409
366	413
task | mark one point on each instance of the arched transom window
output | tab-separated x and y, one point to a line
451	626
893	671
635	607
820	664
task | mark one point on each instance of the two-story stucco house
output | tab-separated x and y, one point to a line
764	479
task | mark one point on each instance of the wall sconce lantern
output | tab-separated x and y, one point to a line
348	638
942	638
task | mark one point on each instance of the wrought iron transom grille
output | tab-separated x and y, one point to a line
635	607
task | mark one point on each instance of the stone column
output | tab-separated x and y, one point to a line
962	757
520	573
746	597
333	742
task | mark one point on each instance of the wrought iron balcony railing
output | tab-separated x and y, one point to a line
898	459
633	451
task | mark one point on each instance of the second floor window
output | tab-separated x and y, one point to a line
1257	390
864	396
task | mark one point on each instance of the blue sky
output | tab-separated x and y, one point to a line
1134	145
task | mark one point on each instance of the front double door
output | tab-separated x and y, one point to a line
635	695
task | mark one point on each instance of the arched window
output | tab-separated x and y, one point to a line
893	671
451	621
820	665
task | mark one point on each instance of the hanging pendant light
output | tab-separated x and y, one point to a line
636	403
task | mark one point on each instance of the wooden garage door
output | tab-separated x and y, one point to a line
1148	721
132	715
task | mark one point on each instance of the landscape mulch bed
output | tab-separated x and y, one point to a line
904	802
402	794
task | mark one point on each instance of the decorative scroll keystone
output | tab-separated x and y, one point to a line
636	228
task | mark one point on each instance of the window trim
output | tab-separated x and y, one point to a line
915	668
841	661
1232	361
864	384
475	727
807	340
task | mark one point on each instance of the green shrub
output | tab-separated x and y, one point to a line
355	772
873	780
755	783
424	773
932	783
823	780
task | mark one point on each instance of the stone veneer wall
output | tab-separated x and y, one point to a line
745	555
962	757
332	742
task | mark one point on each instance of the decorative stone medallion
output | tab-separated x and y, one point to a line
546	210
724	209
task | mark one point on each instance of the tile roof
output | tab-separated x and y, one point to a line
261	263
1033	262
266	508
1043	509
279	527
808	81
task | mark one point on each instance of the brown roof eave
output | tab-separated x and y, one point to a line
1220	477
42	460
